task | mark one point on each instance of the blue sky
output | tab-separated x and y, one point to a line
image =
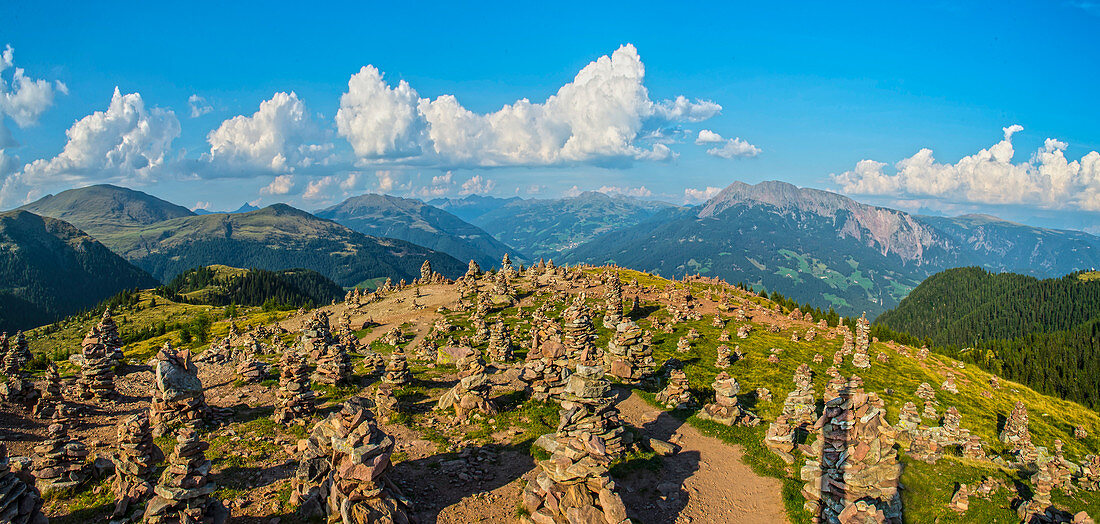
808	90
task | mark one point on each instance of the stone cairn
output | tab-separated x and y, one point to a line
546	365
578	334
52	405
852	472
960	501
1016	435
723	361
973	449
183	493
295	400
949	384
725	408
344	471
60	463
112	343
134	460
20	501
573	484
397	370
676	394
799	412
500	343
19	388
251	371
333	365
97	376
928	395
908	420
614	314
471	394
628	355
177	393
860	358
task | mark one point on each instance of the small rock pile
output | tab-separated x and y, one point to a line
344	471
471	394
334	365
973	449
52	405
725	408
852	474
614	306
676	393
743	331
134	460
949	384
183	493
628	356
251	371
177	393
295	401
500	343
60	463
397	370
545	369
960	501
908	420
722	361
588	411
20	501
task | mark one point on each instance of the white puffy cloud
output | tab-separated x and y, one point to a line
1047	179
199	106
203	205
279	136
729	148
127	143
319	189
694	196
24	99
640	191
603	116
281	185
477	184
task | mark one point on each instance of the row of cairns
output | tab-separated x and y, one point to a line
20	500
799	413
852	472
427	276
177	395
295	401
629	355
344	471
18	388
573	484
471	394
183	493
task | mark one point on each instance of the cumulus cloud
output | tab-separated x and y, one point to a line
1047	179
283	184
22	98
728	148
199	106
279	136
127	143
694	196
602	117
640	191
477	184
318	189
205	206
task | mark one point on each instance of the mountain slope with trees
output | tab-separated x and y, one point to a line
223	285
50	269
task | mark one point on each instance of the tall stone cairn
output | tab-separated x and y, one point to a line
852	472
573	484
425	273
344	471
183	493
1017	436
97	375
112	343
799	412
614	293
134	461
908	420
19	388
20	501
60	463
677	393
471	394
177	395
295	400
723	361
725	408
578	332
473	270
546	366
500	343
860	359
333	365
628	356
52	405
397	370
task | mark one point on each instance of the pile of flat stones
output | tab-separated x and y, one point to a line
799	412
1016	435
97	375
108	331
471	393
295	400
59	462
397	370
573	484
333	365
614	306
183	492
577	331
725	408
344	471
676	394
251	371
52	404
500	343
134	461
628	354
18	388
177	396
546	366
852	472
20	501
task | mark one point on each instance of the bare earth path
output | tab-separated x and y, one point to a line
716	485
